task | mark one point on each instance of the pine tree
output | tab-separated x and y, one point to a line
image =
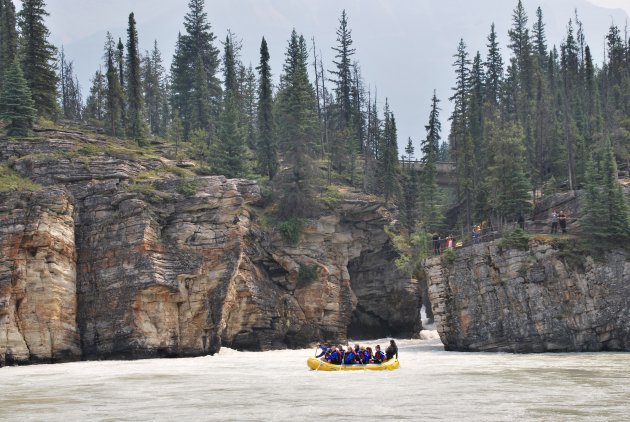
506	183
299	132
409	206
540	39
249	101
476	115
16	103
38	57
8	36
95	105
569	67
228	152
267	142
196	89
114	98
137	127
154	81
409	150
605	218
494	69
343	133
461	145
343	72
430	196
388	163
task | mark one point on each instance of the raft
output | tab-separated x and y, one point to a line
317	365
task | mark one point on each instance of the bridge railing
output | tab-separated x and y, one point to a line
486	235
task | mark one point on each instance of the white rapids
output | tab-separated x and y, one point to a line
431	384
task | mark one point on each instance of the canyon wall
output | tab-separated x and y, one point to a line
549	297
99	265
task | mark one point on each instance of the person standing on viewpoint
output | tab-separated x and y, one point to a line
562	219
554	222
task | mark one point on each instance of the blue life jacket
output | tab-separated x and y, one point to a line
334	358
349	357
323	349
366	357
379	356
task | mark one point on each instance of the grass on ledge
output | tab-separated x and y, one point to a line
11	181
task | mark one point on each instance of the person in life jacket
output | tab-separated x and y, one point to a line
334	357
349	357
366	355
370	353
323	349
379	356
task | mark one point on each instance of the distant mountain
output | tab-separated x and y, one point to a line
404	47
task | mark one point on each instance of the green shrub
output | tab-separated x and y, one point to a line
448	257
203	170
307	274
188	188
573	253
331	196
517	239
291	229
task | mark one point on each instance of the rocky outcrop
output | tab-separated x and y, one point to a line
96	265
546	298
38	302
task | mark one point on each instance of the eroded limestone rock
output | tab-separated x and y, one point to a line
38	301
181	266
532	300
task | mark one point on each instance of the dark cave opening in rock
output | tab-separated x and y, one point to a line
388	302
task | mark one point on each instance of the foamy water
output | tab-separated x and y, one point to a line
431	384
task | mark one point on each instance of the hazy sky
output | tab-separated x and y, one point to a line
404	47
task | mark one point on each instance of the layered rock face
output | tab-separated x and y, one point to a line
38	302
95	266
536	300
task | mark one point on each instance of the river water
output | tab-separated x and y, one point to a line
431	384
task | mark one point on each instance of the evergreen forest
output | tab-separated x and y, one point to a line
548	118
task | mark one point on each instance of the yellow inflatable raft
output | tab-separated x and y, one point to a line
317	365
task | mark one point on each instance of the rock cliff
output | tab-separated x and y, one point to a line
122	255
545	298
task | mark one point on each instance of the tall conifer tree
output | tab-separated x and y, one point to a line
8	36
154	82
137	129
16	104
114	98
228	151
267	143
494	69
38	56
430	196
196	88
297	106
95	105
344	142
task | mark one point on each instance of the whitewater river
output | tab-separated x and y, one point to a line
431	384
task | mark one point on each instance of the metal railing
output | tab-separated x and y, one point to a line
489	235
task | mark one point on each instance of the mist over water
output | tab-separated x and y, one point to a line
431	384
